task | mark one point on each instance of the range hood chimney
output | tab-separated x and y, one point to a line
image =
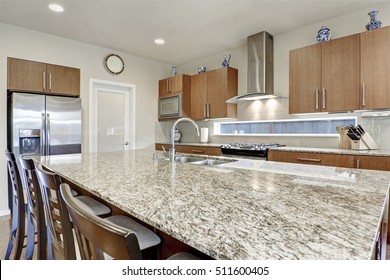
260	83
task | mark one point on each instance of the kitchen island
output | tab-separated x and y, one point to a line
243	209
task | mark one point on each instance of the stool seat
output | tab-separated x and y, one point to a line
95	206
146	237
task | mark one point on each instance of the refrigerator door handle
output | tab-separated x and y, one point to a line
48	134
43	140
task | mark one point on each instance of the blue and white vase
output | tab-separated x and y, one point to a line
226	60
174	71
374	23
323	35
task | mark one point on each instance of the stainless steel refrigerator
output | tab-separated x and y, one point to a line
43	124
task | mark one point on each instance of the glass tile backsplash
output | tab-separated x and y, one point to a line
299	127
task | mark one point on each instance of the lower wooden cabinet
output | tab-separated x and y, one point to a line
349	161
201	150
372	162
312	158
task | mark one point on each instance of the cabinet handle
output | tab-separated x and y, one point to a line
44	80
208	110
205	110
49	81
317	93
309	159
357	163
323	98
197	151
167	85
363	94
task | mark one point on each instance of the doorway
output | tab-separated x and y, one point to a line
111	116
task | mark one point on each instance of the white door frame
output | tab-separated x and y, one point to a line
128	90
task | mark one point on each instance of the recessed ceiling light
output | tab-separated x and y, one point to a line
159	41
56	8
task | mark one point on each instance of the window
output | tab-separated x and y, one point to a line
293	127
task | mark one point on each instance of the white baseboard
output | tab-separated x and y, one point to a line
5	213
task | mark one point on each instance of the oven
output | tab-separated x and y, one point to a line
247	150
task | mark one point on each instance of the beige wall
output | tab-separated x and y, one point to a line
28	44
278	108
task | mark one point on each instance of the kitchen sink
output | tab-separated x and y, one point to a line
202	160
188	159
212	162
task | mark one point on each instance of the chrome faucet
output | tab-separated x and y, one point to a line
172	150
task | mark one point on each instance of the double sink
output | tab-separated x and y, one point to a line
202	160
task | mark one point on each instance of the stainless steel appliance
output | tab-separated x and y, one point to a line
43	124
260	80
170	107
255	151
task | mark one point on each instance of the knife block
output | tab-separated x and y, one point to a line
344	141
366	142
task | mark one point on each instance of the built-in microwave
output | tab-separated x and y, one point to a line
170	107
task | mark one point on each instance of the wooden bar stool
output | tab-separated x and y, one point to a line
35	213
17	234
60	236
97	236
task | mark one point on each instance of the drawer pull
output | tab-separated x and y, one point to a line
197	151
310	159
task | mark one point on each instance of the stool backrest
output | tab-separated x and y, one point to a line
96	235
34	203
60	238
18	208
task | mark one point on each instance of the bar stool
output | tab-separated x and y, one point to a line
35	213
60	236
97	236
17	234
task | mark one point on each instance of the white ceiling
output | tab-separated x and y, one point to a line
192	29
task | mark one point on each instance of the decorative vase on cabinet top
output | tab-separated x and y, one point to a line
374	23
323	34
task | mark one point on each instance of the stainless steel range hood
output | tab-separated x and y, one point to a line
260	83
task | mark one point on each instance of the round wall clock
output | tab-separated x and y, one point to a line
114	64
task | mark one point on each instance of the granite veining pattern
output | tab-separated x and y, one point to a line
246	209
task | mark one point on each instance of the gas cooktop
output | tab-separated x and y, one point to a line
248	149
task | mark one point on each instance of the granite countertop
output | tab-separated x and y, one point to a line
379	152
245	209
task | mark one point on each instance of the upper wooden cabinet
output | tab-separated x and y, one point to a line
174	84
305	79
209	92
375	70
325	77
31	76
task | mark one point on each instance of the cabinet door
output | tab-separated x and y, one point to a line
163	87
375	70
312	158
27	76
177	84
63	80
221	85
372	162
340	75
305	79
199	96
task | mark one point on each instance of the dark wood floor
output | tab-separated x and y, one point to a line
5	229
